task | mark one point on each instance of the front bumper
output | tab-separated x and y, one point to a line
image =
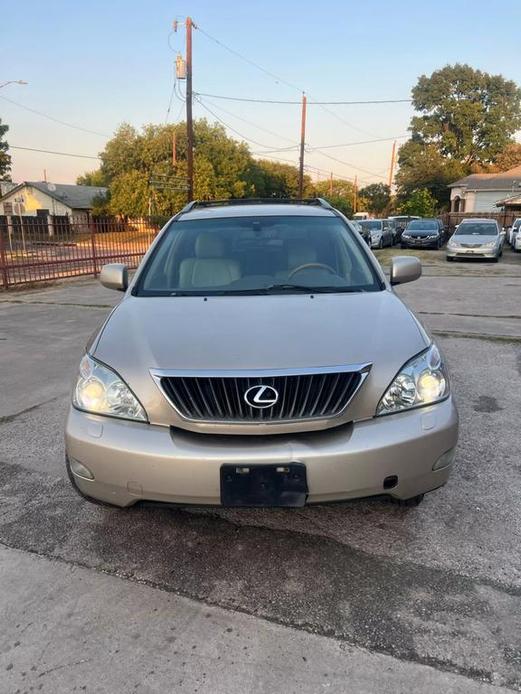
132	461
472	252
419	243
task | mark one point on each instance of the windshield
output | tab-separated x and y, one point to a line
371	224
423	224
257	255
476	229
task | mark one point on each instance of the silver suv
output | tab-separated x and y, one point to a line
259	357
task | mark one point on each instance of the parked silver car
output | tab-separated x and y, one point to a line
380	230
476	238
260	357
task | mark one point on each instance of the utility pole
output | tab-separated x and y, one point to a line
174	148
331	184
355	194
302	143
189	121
391	170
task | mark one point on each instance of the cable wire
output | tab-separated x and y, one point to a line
248	139
310	103
48	151
56	120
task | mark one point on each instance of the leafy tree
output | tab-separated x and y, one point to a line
467	114
421	202
376	196
5	159
278	180
137	168
466	120
508	158
423	166
92	178
338	192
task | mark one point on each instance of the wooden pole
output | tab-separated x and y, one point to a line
189	120
391	170
302	143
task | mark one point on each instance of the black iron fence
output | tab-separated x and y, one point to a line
40	249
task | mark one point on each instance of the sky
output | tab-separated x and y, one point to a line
97	64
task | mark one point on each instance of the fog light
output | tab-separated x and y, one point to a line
444	460
80	469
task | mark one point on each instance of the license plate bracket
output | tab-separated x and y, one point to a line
264	485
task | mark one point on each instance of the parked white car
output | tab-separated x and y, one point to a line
512	231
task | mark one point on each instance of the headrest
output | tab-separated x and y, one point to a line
209	245
300	253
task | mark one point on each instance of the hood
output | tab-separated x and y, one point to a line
258	332
474	239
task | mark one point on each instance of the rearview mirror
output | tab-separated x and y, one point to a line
114	276
405	268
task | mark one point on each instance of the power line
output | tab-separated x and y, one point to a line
254	125
277	78
248	139
48	151
56	120
345	163
312	103
362	142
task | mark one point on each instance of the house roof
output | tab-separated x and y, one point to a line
498	181
76	197
511	200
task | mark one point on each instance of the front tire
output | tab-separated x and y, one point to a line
408	503
449	259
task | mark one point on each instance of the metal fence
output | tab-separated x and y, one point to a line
40	249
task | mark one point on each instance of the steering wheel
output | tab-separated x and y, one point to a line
305	266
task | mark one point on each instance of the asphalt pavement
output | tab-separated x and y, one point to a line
355	597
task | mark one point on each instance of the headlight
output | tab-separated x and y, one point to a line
490	244
101	391
422	381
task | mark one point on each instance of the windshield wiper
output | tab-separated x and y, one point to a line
273	288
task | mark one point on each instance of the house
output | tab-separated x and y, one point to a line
42	199
482	192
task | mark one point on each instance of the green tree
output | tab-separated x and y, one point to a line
278	180
467	114
5	159
338	192
376	197
421	203
509	158
92	178
424	167
465	120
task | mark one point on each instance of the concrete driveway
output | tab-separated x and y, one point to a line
358	597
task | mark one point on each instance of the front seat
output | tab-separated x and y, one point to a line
209	268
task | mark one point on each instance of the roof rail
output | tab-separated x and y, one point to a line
256	201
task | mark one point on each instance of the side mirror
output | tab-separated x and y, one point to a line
405	268
114	276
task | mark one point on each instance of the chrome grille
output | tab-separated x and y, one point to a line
301	396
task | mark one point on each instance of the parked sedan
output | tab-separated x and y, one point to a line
476	238
400	222
380	231
423	233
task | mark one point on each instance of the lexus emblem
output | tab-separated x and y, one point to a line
261	397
